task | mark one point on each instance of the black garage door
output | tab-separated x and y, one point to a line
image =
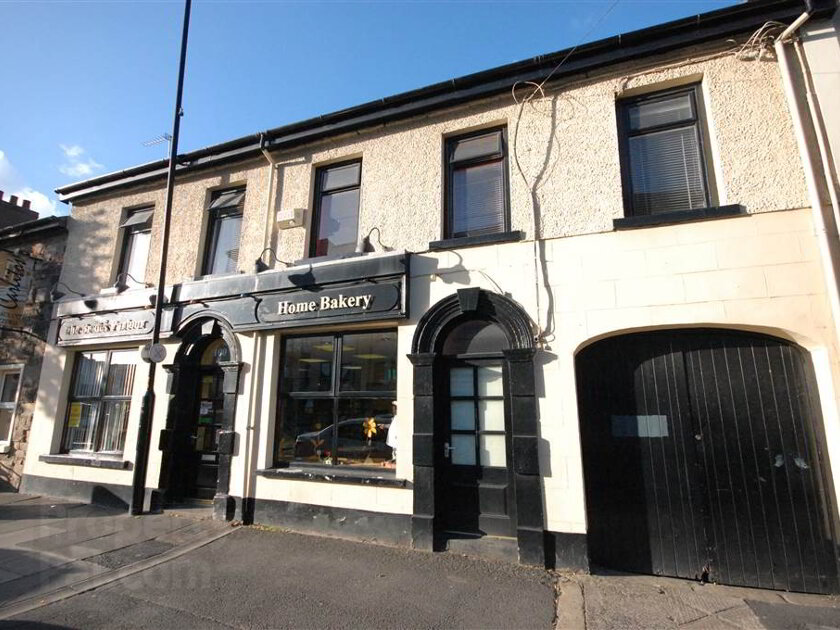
702	459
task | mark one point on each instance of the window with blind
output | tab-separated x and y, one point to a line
137	233
476	184
224	227
663	159
336	221
100	400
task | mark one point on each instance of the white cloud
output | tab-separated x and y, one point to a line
41	204
76	165
74	150
12	183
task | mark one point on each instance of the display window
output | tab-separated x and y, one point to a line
337	400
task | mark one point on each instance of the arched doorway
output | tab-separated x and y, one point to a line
199	442
702	459
476	468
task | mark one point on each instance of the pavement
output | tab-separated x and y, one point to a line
70	565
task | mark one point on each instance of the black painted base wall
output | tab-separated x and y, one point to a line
376	527
570	552
106	494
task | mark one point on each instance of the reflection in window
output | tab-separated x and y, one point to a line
337	209
343	420
224	227
100	401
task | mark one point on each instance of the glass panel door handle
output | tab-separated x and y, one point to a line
447	450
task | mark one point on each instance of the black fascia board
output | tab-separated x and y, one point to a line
658	39
39	228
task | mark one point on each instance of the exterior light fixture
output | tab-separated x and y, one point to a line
365	246
56	295
121	285
260	265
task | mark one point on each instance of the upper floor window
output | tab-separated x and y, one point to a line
137	234
662	155
100	399
336	220
9	386
476	184
223	230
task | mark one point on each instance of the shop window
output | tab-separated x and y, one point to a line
336	222
9	387
223	230
663	161
337	394
100	400
476	184
136	238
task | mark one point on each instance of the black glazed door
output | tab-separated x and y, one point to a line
477	489
700	457
202	457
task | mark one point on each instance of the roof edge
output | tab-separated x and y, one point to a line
632	45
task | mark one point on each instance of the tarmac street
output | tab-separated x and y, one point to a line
70	565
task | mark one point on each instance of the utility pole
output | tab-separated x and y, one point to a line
144	431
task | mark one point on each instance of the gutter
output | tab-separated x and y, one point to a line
714	25
825	224
30	229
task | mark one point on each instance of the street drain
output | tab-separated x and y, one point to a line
131	554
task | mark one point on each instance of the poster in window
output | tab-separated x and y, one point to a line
75	417
206	408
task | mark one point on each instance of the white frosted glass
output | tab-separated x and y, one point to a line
490	381
492	449
463	452
491	415
463	415
461	382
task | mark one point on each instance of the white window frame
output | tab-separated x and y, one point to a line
6	370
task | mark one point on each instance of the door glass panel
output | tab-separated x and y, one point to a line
461	382
463	415
492	449
463	453
491	415
490	380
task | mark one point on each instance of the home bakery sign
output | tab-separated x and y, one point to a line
368	300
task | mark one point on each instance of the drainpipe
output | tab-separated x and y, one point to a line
824	222
273	165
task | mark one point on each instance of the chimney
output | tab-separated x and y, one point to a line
13	200
26	204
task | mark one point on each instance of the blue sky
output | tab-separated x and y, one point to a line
85	83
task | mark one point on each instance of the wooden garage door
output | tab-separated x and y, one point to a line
701	459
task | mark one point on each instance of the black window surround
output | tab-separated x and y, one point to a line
225	214
654	134
345	185
326	395
136	235
487	150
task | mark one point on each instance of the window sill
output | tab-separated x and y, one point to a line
386	478
679	216
92	461
473	241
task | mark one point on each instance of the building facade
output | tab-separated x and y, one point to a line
590	319
31	251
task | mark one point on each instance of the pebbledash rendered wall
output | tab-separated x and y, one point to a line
757	272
